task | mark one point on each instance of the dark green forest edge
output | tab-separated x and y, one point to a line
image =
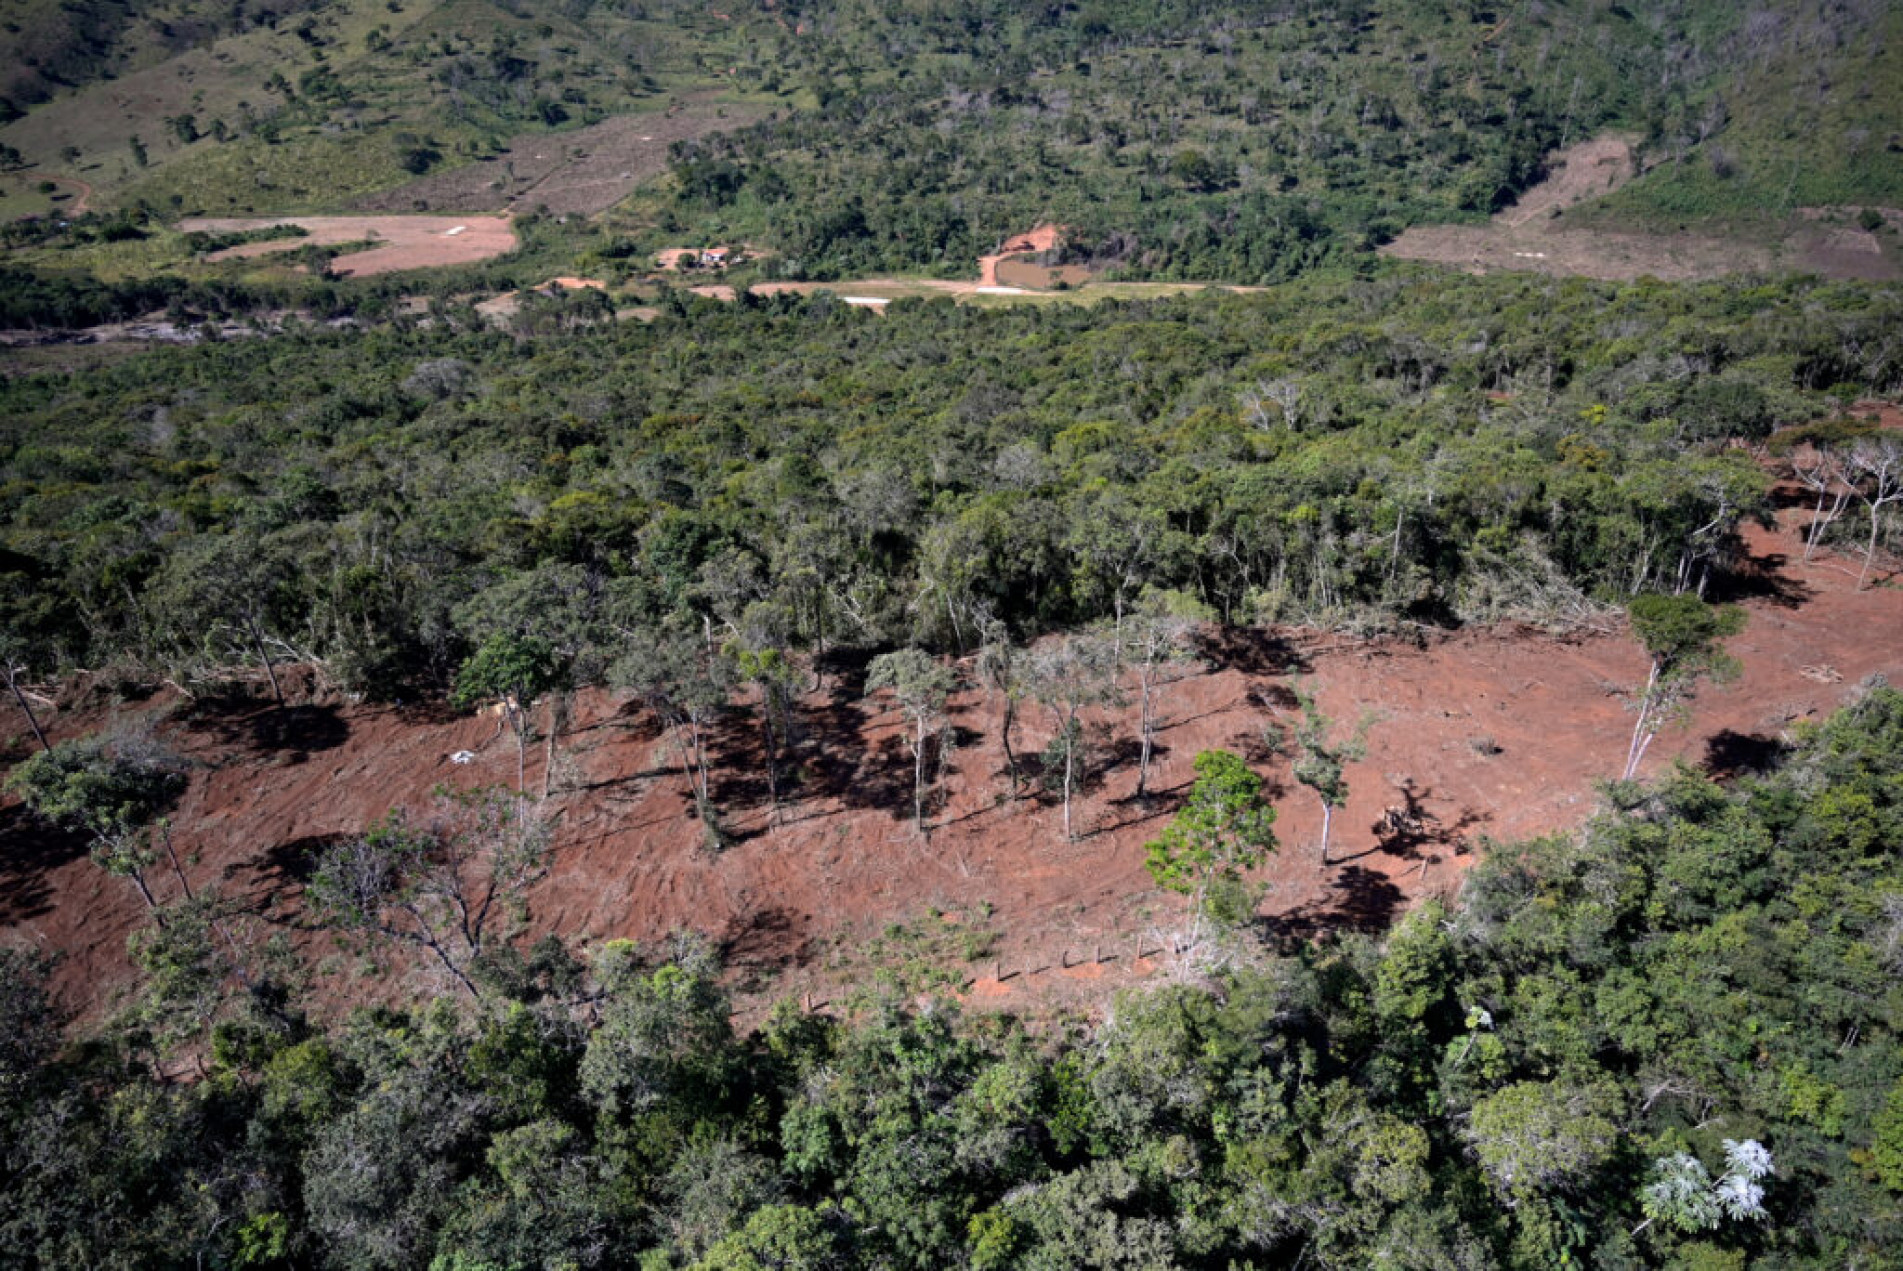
799	475
1671	1039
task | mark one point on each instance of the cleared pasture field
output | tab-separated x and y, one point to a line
406	242
573	173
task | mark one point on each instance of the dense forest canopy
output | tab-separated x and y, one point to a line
1293	135
1671	1039
1391	448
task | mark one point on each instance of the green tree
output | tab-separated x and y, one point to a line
1886	1144
1683	635
193	966
115	789
30	1023
665	1042
1321	761
1224	828
781	1238
1535	1137
510	671
219	582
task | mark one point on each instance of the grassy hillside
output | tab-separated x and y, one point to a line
355	96
1247	142
1810	114
59	45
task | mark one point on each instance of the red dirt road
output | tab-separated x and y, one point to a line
787	901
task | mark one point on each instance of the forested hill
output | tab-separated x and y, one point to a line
801	473
1241	142
1672	1040
1248	142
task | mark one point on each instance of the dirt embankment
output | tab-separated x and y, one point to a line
1043	238
1498	733
1535	235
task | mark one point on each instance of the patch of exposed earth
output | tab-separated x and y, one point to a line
404	242
1498	732
1534	235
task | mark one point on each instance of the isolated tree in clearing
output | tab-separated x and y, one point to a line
511	671
1001	669
775	676
1076	672
1224	828
1321	764
1156	638
1683	634
114	790
686	684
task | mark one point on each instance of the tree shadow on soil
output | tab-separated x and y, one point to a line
1730	754
33	849
769	939
1359	899
303	729
882	782
828	738
1249	650
293	732
1759	578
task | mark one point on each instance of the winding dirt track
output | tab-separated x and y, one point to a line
83	203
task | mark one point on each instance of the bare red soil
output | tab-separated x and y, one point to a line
405	242
1496	733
